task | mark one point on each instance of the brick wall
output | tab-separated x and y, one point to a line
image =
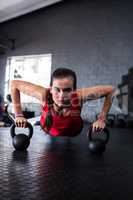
94	38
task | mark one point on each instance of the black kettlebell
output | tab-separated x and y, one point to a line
21	141
97	145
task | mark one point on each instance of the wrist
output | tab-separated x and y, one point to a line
102	117
19	115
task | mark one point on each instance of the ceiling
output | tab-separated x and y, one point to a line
10	9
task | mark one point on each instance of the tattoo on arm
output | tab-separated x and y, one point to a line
94	96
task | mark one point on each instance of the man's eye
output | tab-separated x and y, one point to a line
57	89
68	90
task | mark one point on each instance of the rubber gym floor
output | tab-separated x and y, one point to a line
63	168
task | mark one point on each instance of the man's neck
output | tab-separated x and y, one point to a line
60	108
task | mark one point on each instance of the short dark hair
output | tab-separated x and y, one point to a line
63	73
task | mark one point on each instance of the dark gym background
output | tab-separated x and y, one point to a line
94	38
92	35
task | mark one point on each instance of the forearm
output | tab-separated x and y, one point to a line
15	94
106	106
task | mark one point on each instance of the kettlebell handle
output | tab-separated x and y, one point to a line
105	130
29	126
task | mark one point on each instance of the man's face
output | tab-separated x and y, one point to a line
61	91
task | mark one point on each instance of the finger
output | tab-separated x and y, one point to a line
17	123
101	130
25	124
93	128
97	128
20	124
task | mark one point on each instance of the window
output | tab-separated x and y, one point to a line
34	68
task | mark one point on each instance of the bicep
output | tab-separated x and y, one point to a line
30	89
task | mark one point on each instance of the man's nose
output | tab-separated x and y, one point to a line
61	94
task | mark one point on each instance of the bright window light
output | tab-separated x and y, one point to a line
34	68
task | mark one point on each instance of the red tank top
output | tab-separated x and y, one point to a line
69	125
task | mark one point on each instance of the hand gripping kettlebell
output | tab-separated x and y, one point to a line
97	145
21	141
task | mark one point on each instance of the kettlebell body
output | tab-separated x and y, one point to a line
97	145
21	141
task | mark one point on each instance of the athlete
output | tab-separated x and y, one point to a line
62	103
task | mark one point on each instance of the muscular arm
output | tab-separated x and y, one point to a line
96	92
18	86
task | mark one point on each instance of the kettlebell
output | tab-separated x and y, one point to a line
97	145
21	141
